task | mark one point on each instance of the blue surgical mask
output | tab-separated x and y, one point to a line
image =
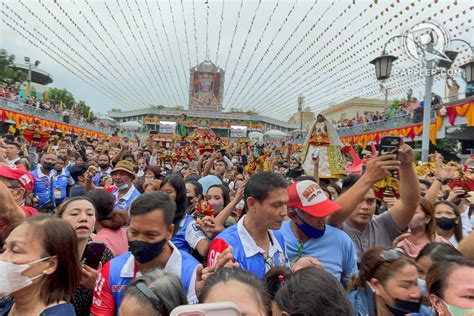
309	230
122	187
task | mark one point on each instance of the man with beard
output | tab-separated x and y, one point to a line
45	184
149	234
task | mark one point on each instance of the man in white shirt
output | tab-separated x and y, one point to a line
12	153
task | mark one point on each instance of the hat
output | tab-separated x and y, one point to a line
307	196
209	181
124	165
18	173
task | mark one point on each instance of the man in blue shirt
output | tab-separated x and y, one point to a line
63	179
257	244
45	186
149	234
123	176
307	234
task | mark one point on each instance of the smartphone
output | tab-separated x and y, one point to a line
93	254
217	147
389	145
278	152
207	309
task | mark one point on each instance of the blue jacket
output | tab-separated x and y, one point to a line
44	187
62	181
363	304
246	252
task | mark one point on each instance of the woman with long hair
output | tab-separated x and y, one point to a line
387	284
422	230
186	236
448	221
40	268
80	212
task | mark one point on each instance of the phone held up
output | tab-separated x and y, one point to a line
93	254
389	145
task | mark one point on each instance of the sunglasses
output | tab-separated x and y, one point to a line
389	255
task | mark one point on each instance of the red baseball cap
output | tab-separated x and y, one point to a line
307	196
18	173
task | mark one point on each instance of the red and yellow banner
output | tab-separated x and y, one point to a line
466	110
21	118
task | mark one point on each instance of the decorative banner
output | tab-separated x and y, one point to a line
205	91
167	127
465	110
238	131
20	119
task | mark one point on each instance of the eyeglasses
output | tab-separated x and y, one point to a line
389	255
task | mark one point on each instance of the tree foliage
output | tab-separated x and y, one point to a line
9	75
58	96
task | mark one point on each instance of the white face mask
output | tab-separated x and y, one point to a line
11	279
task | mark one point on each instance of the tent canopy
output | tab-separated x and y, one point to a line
275	134
131	125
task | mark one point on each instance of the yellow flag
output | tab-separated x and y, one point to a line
27	89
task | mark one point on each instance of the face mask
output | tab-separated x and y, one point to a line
103	165
309	230
144	251
122	187
11	279
149	179
58	170
402	307
48	166
88	151
178	168
458	311
415	223
189	200
445	223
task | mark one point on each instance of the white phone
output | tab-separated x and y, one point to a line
207	309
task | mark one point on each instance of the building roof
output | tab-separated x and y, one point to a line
37	75
202	114
355	102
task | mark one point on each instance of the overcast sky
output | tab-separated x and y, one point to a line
132	53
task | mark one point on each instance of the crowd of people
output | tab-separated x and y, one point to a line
45	105
406	107
91	227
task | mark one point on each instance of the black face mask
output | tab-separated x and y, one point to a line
103	165
144	251
189	200
48	166
402	307
445	223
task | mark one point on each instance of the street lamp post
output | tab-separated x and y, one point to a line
425	137
383	66
30	67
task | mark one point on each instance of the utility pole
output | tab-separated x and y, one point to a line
300	109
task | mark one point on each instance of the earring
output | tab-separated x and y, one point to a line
45	271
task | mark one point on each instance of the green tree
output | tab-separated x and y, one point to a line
9	75
57	95
85	111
